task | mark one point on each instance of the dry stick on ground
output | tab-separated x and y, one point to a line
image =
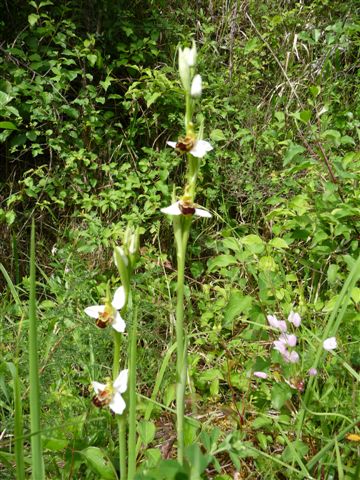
323	156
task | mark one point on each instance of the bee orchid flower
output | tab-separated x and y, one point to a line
196	148
185	208
108	314
110	393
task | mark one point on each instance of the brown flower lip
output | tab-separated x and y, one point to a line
185	144
186	208
102	399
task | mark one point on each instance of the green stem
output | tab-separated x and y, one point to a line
120	419
38	472
181	360
122	445
132	396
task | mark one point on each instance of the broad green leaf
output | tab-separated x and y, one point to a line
293	151
33	18
8	125
217	135
99	462
220	262
280	394
152	99
146	431
278	243
297	446
92	58
54	444
4	99
253	243
238	303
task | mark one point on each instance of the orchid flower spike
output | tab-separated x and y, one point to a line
108	313
185	208
110	393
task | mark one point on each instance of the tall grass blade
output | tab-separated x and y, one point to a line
36	447
19	431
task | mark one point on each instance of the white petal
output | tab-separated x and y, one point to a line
120	383
117	404
98	387
196	86
173	209
202	213
200	148
330	344
94	311
118	324
172	144
119	298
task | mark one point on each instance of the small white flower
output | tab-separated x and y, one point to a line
330	344
196	86
108	314
110	394
199	150
260	374
178	209
294	318
312	372
275	323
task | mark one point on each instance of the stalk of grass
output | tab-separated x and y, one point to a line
38	472
316	458
16	259
132	395
14	370
121	419
18	427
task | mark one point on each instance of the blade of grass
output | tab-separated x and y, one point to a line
156	388
331	443
18	430
38	472
11	286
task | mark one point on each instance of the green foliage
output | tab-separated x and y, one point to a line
88	99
